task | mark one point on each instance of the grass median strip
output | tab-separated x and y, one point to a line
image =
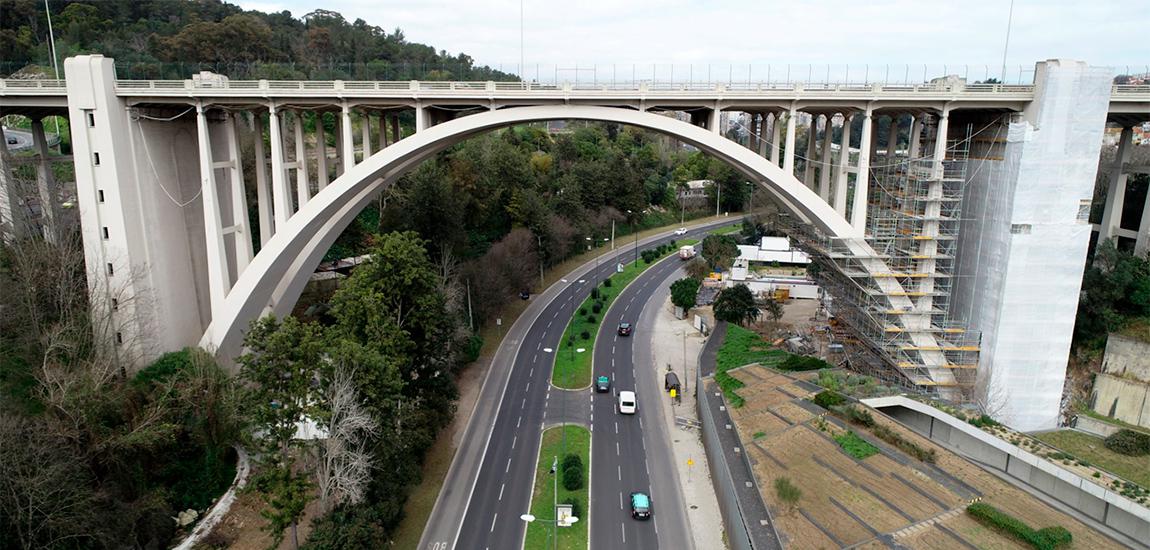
559	445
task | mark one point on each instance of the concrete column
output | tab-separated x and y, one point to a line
862	179
45	183
213	226
13	217
395	130
242	230
281	196
843	169
789	152
915	137
348	146
812	147
263	191
714	120
764	138
1116	193
382	131
940	141
320	152
776	135
365	134
892	140
302	183
826	159
1142	244
420	117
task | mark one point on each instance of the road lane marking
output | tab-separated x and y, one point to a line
517	422
513	440
620	472
534	359
616	427
539	345
528	388
523	404
620	501
493	518
623	529
508	468
501	490
616	448
532	373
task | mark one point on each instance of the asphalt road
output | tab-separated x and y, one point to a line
620	461
489	483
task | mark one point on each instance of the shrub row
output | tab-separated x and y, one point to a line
802	363
983	421
572	473
1047	538
1128	442
827	399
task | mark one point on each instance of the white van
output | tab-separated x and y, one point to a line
627	404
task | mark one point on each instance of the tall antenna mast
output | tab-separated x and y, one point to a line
1009	20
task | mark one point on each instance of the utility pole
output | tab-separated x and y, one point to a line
612	234
718	196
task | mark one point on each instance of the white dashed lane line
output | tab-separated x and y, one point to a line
493	521
501	490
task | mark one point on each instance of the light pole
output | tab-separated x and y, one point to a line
635	230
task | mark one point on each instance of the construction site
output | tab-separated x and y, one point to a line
888	294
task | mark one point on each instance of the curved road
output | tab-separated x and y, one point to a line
489	483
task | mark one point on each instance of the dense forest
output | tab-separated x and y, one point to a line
176	38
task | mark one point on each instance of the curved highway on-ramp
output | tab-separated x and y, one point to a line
489	483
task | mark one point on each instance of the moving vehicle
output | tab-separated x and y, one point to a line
640	505
686	252
627	404
681	231
602	384
625	329
671	380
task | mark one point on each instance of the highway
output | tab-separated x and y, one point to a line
620	461
489	483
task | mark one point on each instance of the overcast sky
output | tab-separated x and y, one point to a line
761	32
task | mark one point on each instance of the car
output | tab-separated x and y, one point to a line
602	384
627	404
625	329
640	505
681	231
524	295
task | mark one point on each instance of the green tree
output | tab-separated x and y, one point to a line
1115	291
283	365
736	305
684	291
773	309
719	251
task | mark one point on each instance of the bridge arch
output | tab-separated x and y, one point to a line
275	278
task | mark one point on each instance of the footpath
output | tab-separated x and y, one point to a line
677	344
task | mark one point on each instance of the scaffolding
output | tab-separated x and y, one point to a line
891	289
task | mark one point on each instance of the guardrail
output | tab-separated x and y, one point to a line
1119	92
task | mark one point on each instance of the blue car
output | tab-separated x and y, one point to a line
640	505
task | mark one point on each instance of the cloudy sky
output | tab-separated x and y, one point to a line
761	32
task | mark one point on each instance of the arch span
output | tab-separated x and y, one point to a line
276	276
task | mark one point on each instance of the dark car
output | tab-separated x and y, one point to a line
602	384
625	329
524	295
640	505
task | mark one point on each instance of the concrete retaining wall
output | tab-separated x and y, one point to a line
1093	426
1083	495
737	536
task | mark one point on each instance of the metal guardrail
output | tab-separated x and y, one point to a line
1119	92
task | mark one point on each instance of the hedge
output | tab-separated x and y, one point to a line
1128	442
828	398
1047	538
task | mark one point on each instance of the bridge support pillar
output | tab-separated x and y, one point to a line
892	140
13	214
842	174
302	183
365	134
240	227
1116	192
281	195
346	139
812	150
776	135
862	178
395	132
263	190
213	225
422	121
715	120
45	182
914	143
789	153
321	174
763	136
826	159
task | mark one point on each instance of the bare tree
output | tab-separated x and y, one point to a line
344	461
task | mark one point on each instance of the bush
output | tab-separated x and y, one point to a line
472	349
163	369
1128	442
1047	538
572	460
576	508
827	399
591	319
855	445
857	415
597	306
607	282
983	421
802	363
582	311
585	335
595	293
573	478
787	491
